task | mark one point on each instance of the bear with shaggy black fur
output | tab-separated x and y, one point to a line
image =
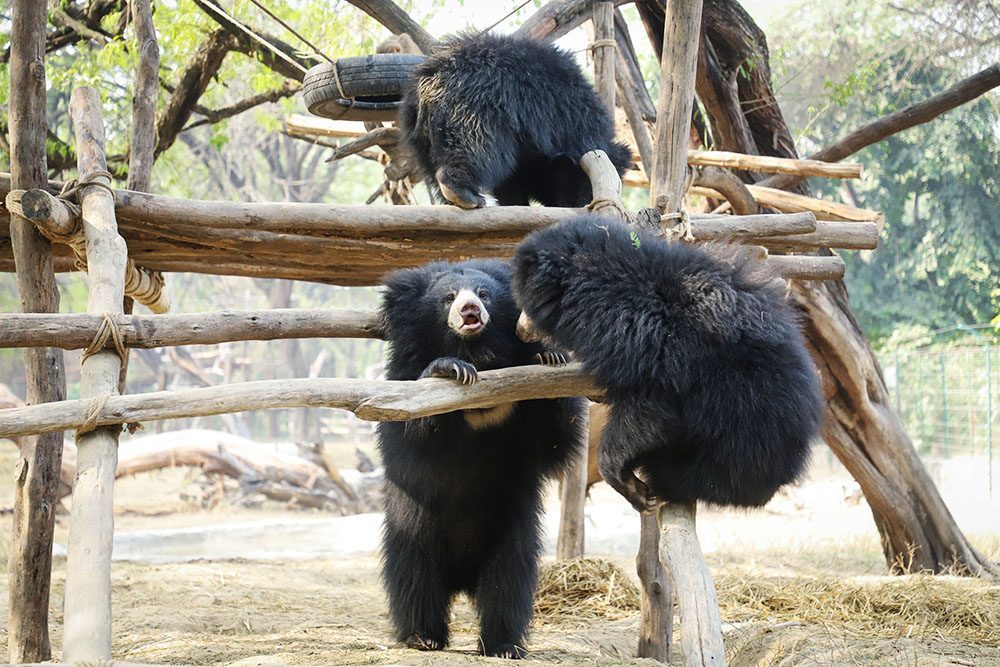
507	117
712	393
463	489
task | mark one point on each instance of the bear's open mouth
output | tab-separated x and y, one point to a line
471	323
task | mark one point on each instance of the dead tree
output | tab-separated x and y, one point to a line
862	426
37	469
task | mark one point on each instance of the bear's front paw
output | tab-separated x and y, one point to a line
452	368
551	358
508	651
422	643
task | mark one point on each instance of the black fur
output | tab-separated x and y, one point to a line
713	395
509	116
463	503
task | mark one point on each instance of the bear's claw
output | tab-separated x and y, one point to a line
551	358
453	369
421	643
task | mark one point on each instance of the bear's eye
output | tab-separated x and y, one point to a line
484	294
449	297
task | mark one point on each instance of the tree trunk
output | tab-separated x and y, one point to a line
37	469
867	435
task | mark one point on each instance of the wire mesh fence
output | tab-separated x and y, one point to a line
949	400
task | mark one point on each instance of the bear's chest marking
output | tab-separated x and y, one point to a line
481	418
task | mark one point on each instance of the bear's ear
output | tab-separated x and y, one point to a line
405	286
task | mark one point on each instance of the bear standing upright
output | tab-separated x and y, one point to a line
507	117
713	395
463	489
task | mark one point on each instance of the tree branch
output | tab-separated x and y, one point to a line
964	91
215	115
203	66
397	21
276	55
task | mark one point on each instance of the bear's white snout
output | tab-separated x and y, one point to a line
467	315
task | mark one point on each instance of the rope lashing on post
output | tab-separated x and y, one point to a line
72	187
107	330
680	231
598	205
93	414
598	43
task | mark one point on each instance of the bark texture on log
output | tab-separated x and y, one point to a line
76	331
37	470
372	400
140	165
397	21
88	556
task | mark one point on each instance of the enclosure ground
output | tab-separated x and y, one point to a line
798	585
332	612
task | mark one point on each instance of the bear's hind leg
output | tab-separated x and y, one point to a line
505	595
419	593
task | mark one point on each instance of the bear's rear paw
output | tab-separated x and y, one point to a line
551	358
422	643
508	651
452	368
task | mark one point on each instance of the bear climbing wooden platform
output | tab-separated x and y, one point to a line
124	236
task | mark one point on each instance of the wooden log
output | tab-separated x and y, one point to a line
313	126
656	600
556	19
36	473
789	202
397	21
673	114
606	187
146	87
59	220
773	165
701	632
786	202
807	267
846	235
88	559
372	400
731	187
701	625
76	331
573	497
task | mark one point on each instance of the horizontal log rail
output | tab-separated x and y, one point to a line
306	126
76	331
372	400
774	165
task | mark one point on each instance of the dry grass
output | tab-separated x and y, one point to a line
585	589
921	605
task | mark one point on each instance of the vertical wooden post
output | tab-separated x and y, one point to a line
37	471
570	543
681	37
657	600
701	629
87	635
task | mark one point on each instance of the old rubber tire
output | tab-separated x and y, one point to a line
375	83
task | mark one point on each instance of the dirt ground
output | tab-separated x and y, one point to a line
799	584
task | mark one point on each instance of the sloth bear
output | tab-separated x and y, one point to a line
506	117
463	489
712	393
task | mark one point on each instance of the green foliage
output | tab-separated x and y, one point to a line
937	183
